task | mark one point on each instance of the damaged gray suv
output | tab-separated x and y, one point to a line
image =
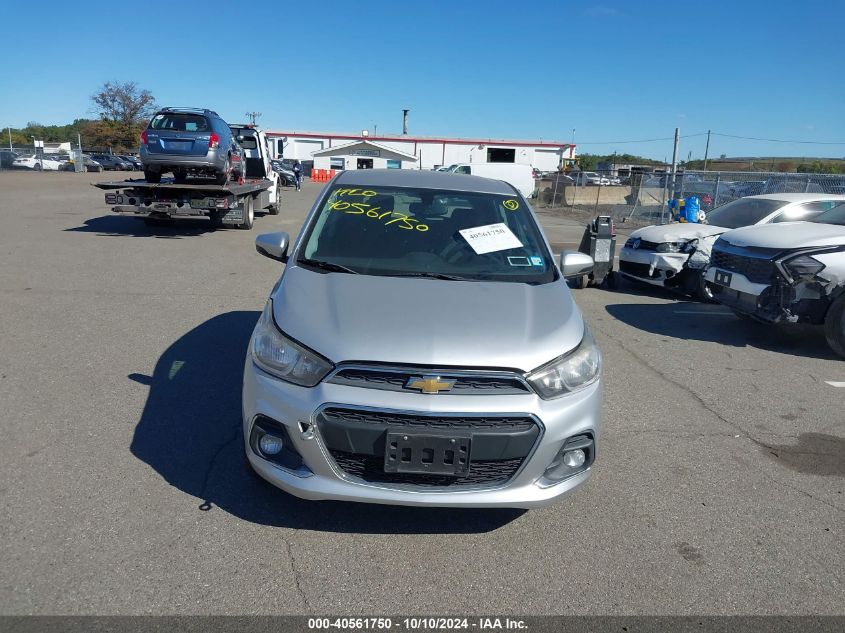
422	348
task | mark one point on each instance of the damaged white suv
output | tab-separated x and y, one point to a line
786	273
676	255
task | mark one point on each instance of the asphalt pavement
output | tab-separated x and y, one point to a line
718	487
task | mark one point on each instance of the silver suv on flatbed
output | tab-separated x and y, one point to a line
188	141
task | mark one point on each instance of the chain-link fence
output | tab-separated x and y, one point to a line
46	160
642	198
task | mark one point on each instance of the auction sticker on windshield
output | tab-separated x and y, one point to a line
490	238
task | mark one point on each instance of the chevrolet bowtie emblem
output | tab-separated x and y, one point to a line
429	384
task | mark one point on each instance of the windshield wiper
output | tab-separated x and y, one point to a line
327	266
433	276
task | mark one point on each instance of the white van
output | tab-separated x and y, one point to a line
520	176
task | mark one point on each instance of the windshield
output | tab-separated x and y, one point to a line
180	122
421	232
836	215
743	212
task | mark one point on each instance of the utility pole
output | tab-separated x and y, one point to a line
706	150
10	138
253	116
675	160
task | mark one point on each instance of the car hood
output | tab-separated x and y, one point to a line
427	321
677	232
786	235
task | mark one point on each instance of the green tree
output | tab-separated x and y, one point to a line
126	108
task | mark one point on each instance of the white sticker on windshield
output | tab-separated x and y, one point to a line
490	238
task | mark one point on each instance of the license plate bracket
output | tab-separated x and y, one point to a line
723	278
414	452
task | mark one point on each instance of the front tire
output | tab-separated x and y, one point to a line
37	167
704	292
834	326
276	207
152	176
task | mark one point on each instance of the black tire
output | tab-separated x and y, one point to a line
579	282
37	167
610	280
704	292
834	326
276	207
152	176
180	176
249	213
223	178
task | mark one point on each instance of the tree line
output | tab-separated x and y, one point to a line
123	110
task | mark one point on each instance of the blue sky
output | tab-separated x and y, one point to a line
613	71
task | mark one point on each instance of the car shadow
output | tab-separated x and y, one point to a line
713	323
128	226
190	434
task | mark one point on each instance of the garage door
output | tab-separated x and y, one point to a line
303	149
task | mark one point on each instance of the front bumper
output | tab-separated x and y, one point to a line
295	406
655	268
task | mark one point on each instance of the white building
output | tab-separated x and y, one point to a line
361	151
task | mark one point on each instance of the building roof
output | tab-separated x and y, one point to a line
423	179
424	139
328	151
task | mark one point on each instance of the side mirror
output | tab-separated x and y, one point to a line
575	263
274	245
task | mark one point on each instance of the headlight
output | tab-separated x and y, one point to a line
576	370
276	354
803	266
670	247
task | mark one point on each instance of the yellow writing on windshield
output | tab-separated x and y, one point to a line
402	220
511	205
364	193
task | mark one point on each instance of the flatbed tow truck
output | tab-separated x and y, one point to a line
232	204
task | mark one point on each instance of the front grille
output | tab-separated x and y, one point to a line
371	468
395	380
637	270
755	269
409	420
355	438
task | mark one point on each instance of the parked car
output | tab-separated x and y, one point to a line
37	164
588	178
285	174
134	161
341	399
90	164
786	273
676	255
519	176
7	157
187	141
110	162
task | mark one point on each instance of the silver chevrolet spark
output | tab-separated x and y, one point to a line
422	348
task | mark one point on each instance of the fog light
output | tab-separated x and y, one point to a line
270	444
574	459
575	456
